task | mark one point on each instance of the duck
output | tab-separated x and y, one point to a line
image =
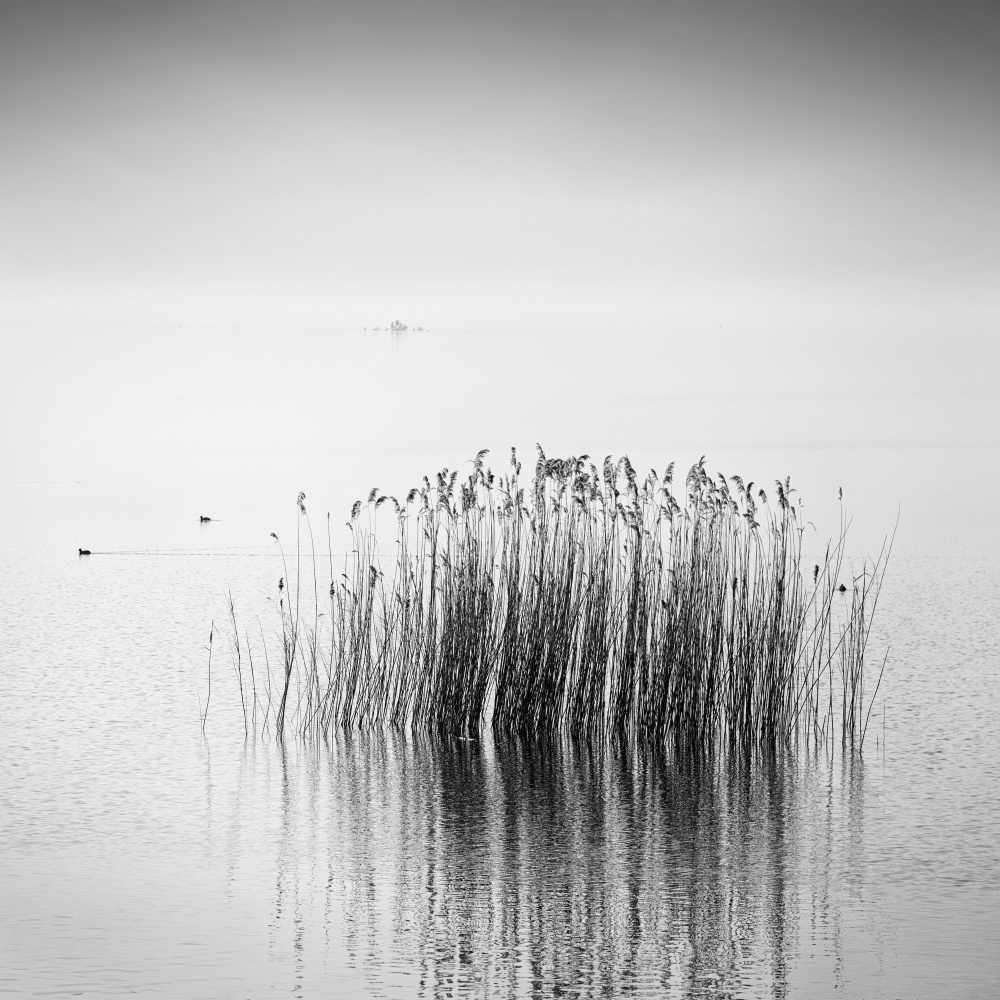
84	552
203	519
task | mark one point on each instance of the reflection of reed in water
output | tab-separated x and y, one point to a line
543	867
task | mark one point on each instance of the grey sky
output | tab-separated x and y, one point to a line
827	167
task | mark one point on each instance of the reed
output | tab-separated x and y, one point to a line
583	600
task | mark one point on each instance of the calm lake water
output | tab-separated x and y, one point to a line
142	856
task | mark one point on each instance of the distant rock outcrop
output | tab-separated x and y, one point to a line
396	326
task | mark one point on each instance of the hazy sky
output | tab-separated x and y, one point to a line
781	167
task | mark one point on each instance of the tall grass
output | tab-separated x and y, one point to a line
582	600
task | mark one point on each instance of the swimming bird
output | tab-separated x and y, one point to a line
842	588
84	552
203	519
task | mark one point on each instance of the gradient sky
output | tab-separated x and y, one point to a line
767	167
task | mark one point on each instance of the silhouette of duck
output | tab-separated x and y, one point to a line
203	519
842	588
84	552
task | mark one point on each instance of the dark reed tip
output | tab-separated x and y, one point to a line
84	552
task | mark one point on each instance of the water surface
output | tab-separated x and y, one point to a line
141	855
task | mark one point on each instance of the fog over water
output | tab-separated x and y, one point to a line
817	169
761	233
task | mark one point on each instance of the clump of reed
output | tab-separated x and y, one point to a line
581	599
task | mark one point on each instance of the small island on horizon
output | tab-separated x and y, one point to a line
397	327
